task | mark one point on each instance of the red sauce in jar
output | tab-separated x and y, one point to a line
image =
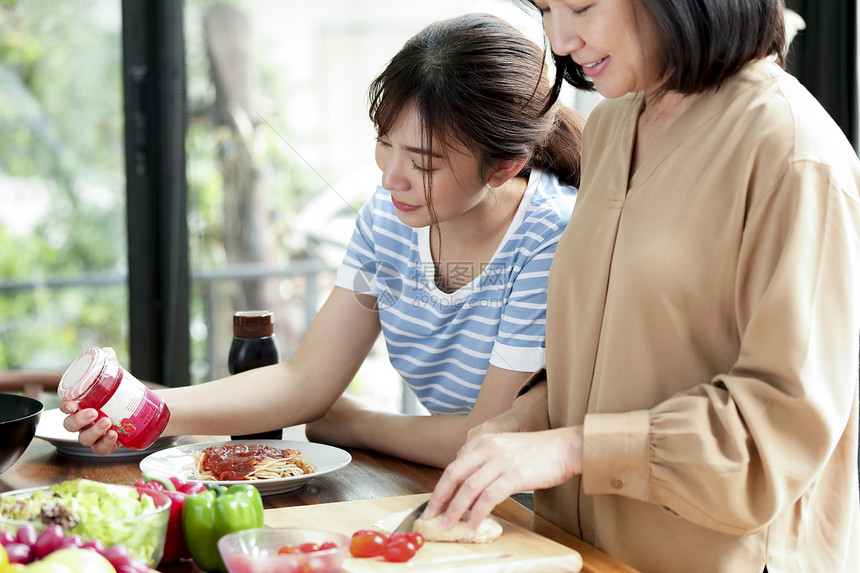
235	462
96	380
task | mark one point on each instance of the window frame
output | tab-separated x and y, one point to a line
155	126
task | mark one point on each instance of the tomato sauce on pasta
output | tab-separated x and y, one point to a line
248	462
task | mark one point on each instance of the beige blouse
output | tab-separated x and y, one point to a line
703	323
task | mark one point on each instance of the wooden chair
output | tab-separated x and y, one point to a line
30	383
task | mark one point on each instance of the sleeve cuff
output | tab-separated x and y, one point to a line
518	358
356	280
617	454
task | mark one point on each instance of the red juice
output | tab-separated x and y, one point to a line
96	380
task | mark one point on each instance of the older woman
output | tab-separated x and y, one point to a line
699	408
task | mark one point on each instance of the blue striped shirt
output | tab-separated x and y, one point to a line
442	343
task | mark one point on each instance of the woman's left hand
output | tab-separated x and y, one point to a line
493	466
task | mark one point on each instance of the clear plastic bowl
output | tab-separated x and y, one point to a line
144	535
256	551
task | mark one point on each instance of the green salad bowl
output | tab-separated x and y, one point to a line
99	508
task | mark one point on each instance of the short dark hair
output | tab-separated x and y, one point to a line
704	42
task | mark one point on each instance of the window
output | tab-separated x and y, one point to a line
201	157
63	256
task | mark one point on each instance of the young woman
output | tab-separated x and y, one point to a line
449	259
699	408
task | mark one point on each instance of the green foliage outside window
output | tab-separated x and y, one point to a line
61	179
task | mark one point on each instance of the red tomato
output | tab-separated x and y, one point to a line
367	543
328	545
309	547
399	548
287	549
367	532
399	537
415	538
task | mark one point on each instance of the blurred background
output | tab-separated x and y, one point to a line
165	163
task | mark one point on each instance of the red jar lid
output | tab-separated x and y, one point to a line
80	376
253	323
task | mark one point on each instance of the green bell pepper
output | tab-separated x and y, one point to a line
209	515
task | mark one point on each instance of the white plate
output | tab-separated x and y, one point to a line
179	461
50	429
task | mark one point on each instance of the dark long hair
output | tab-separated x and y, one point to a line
477	81
703	42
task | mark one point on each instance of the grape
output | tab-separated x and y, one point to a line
133	566
49	540
27	546
71	542
118	555
27	535
18	553
96	545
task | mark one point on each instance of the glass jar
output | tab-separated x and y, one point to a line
97	380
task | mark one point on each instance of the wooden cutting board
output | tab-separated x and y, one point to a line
518	550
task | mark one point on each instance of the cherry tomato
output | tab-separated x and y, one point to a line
287	549
367	543
399	548
309	547
415	538
367	532
328	545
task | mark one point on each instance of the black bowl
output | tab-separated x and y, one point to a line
19	416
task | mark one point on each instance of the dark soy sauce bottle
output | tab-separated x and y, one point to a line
254	345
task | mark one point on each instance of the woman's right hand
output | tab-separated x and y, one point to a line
92	433
491	467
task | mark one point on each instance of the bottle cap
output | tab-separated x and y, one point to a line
82	373
253	323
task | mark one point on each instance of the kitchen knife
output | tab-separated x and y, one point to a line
405	526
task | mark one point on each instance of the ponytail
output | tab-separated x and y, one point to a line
559	153
477	81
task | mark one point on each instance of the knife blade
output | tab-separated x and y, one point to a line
405	526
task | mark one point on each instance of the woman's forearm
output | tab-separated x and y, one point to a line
293	392
257	400
429	440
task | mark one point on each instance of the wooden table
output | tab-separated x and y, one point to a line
368	476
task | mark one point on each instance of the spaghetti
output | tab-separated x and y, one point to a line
248	462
